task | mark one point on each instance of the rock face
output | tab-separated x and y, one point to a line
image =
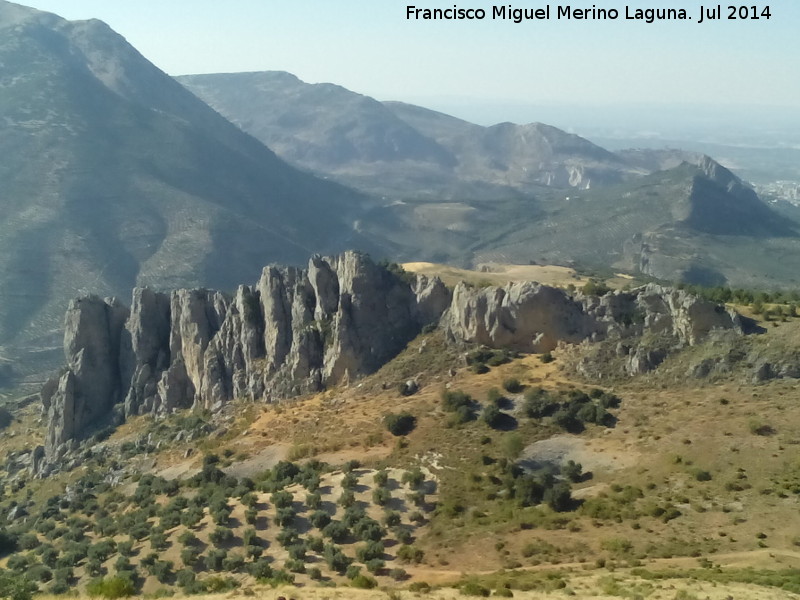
298	331
530	317
87	391
294	332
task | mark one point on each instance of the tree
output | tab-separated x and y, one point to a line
492	416
400	424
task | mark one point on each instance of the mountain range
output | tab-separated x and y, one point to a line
116	175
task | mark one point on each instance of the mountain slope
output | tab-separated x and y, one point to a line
114	175
398	149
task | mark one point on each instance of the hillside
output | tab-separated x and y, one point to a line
651	505
114	175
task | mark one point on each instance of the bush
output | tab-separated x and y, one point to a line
214	559
233	562
285	517
319	519
364	582
381	496
573	471
111	587
336	559
370	551
185	578
472	588
392	518
260	569
493	416
452	400
512	385
409	554
400	424
336	531
220	535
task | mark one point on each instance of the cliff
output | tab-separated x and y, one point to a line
302	330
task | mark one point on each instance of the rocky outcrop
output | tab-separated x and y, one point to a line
86	392
298	331
530	317
527	317
295	331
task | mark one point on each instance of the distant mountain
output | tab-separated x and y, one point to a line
461	193
114	175
399	149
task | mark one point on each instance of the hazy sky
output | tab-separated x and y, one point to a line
370	47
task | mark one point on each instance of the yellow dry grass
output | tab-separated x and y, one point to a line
500	274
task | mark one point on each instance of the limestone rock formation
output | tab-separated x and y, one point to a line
89	388
530	317
293	332
298	331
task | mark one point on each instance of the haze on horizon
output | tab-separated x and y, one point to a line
485	71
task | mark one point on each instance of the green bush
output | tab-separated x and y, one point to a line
452	400
409	554
493	416
472	588
512	385
111	587
400	423
364	582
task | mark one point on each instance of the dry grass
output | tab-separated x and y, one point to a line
500	274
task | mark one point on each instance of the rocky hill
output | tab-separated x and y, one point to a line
300	331
114	175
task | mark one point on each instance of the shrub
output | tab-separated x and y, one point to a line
381	496
370	551
392	518
111	587
414	478
349	481
400	424
347	499
319	519
260	569
282	499
364	582
185	578
381	478
398	574
492	416
559	497
220	535
314	501
214	559
452	400
336	531
285	517
409	554
573	471
472	588
233	562
512	385
336	559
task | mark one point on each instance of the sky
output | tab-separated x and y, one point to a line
371	47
